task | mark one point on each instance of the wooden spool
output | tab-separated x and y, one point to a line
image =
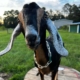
64	73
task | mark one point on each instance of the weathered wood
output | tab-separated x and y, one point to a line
64	73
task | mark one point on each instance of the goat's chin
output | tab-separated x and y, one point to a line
33	47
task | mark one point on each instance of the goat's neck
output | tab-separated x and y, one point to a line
40	54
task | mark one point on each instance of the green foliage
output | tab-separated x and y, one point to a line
67	8
73	12
57	16
17	77
1	24
64	28
2	28
44	8
10	21
20	59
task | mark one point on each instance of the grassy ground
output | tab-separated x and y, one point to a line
72	43
20	59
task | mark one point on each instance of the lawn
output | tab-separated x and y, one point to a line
19	60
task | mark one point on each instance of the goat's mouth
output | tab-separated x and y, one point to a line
33	45
32	41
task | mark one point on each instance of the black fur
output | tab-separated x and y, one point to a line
55	56
30	12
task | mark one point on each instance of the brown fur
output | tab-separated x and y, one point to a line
41	59
40	13
40	53
20	17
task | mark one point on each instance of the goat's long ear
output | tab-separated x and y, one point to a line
15	33
56	38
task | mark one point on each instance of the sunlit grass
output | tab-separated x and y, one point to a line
20	58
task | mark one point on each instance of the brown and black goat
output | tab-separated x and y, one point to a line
33	23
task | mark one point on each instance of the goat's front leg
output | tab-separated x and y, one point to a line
55	75
41	75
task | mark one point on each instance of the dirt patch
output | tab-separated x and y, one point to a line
4	76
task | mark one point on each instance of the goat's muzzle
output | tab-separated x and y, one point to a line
32	41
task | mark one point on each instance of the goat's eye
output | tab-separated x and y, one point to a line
18	20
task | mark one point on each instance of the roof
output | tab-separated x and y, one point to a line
75	23
61	22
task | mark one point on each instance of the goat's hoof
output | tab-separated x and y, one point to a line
37	74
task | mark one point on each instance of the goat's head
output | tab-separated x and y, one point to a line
33	23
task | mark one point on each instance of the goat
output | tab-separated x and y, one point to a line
33	23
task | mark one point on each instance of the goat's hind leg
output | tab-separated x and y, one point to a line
56	77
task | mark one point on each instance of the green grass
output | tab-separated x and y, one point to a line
2	28
72	43
17	61
20	59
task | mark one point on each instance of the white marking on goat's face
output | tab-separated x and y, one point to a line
31	22
30	30
31	36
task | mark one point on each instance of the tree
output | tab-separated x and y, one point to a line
58	15
44	8
73	12
1	24
67	8
1	21
10	20
50	13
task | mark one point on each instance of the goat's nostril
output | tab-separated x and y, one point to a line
31	37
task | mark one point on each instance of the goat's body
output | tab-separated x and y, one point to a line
33	24
55	56
42	58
